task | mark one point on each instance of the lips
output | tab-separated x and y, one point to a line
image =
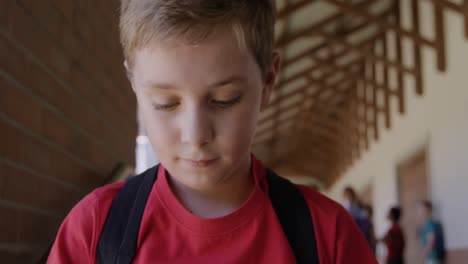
201	163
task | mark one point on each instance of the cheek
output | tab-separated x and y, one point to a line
236	129
159	129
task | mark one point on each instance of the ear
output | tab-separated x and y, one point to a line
129	73
270	79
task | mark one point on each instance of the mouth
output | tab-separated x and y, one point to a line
202	163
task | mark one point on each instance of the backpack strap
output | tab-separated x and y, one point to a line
294	217
119	237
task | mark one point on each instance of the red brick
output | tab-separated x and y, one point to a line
12	61
55	130
71	42
3	83
46	49
36	154
36	228
100	158
60	62
19	257
50	17
1	179
55	197
71	171
90	179
83	27
61	168
88	45
20	186
90	93
9	225
24	28
50	90
67	8
79	145
10	142
45	14
23	109
26	31
5	7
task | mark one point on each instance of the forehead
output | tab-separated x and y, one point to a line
180	63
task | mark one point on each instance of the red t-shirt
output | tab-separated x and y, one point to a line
395	242
171	234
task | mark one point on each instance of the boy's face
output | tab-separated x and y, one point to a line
199	105
422	213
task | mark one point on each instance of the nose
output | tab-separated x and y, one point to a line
197	127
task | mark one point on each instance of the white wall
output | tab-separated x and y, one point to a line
145	157
439	121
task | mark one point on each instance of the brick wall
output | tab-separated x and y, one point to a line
67	114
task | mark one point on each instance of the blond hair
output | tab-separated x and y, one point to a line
252	21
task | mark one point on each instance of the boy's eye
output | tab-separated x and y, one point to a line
225	103
220	103
164	106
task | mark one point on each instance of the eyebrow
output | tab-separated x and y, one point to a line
167	86
229	80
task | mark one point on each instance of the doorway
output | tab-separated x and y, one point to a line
413	186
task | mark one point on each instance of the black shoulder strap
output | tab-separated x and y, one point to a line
119	237
294	216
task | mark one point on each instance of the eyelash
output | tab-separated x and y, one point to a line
222	104
227	103
159	107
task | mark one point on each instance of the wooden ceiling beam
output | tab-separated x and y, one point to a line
267	129
334	86
321	126
399	59
343	80
320	46
374	100
312	147
316	132
273	114
342	118
304	154
290	94
318	153
335	139
310	30
375	19
386	84
398	66
332	141
465	12
439	25
277	109
306	170
321	81
335	68
291	8
449	4
330	152
364	52
354	120
417	47
333	131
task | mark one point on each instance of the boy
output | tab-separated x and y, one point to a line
431	235
202	70
394	239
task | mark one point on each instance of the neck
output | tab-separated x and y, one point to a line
222	199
